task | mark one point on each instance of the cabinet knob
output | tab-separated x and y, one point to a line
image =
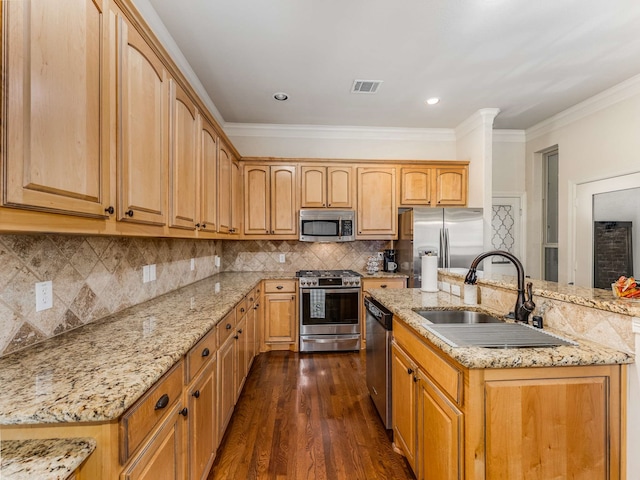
256	306
162	402
293	297
204	225
236	337
329	204
242	310
228	326
240	331
197	225
196	394
184	412
415	379
110	210
129	213
205	352
409	371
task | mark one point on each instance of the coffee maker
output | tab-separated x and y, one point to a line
390	264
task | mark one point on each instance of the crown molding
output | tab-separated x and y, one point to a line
602	100
339	132
509	136
480	118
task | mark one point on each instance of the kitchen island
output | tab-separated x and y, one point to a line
484	413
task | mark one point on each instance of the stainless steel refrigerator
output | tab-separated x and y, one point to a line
456	235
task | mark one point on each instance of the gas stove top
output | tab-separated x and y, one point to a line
328	278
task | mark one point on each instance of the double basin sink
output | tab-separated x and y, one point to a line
466	328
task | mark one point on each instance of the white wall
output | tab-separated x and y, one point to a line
508	161
597	139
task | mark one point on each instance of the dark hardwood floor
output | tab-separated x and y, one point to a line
307	416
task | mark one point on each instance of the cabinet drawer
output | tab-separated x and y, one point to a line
140	419
384	283
279	286
201	353
241	308
226	327
444	374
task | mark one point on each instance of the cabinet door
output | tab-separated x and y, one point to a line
203	434
440	432
236	198
241	355
257	197
560	426
313	182
339	187
377	212
56	106
451	186
225	202
183	160
163	455
226	383
143	96
279	318
284	218
403	403
415	186
208	177
251	331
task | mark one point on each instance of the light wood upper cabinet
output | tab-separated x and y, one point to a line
434	186
377	213
56	102
270	200
225	203
143	97
451	186
208	217
183	171
326	186
236	198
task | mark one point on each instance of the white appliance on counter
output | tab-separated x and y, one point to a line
455	235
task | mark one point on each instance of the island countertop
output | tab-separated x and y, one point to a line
403	302
96	372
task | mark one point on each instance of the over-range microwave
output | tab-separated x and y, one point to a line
327	225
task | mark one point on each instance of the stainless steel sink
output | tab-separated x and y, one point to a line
496	335
457	317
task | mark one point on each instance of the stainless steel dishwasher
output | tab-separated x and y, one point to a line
379	327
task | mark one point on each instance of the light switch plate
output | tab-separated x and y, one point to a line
216	261
44	295
193	264
145	274
152	272
283	258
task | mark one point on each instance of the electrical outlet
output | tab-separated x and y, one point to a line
283	258
192	303
193	264
216	287
44	295
380	255
145	274
216	261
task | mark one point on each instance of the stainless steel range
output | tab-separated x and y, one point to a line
329	310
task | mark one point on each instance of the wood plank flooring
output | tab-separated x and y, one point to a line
307	416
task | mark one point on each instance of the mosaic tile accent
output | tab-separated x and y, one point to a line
92	278
263	255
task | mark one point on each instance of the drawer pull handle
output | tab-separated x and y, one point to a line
205	352
162	402
228	326
196	394
409	371
279	287
384	285
184	412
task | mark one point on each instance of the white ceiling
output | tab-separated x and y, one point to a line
529	58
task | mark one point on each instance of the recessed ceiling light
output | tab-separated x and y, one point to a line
432	100
280	96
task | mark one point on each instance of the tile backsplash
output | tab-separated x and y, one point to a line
92	277
264	255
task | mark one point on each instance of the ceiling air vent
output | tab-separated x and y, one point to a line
365	86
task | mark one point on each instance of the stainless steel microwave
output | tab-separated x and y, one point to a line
327	225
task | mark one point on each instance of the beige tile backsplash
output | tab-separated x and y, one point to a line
92	277
96	276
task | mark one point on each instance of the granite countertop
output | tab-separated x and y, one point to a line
96	372
51	459
402	302
589	297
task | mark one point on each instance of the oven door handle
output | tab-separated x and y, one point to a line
330	290
330	340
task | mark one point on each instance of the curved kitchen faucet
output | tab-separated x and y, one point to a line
523	307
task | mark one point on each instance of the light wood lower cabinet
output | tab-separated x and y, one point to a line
280	315
226	374
202	432
452	422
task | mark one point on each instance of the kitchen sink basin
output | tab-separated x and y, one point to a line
457	317
496	335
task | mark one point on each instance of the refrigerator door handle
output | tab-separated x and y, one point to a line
443	249
447	254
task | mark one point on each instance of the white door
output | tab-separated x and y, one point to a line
506	234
